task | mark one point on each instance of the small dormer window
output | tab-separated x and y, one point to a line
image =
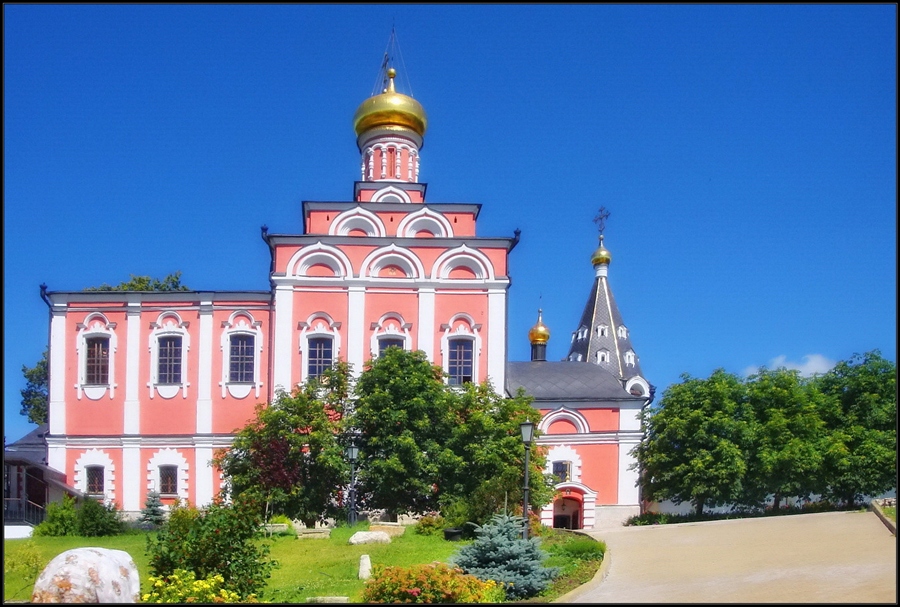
603	356
622	332
629	358
602	331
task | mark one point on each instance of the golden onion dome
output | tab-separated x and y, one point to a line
390	109
539	333
601	255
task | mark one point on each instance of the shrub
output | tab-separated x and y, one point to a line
25	560
499	553
183	587
584	549
435	583
153	513
95	519
430	524
218	539
61	519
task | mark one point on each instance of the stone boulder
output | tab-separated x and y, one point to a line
370	537
89	575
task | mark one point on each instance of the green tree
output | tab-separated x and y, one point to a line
35	396
860	413
288	457
695	442
487	443
404	418
153	512
172	282
787	437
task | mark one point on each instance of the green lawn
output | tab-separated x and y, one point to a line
307	568
890	512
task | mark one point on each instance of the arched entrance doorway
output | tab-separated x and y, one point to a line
568	511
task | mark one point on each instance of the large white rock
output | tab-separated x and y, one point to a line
89	575
370	537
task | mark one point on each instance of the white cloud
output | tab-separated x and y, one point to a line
812	364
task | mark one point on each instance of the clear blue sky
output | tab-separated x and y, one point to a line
747	153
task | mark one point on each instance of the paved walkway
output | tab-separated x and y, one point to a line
832	557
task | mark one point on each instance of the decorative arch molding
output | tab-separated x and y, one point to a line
565	453
241	322
96	457
425	219
96	324
574	417
638	383
357	219
319	254
462	256
390	325
168	457
317	324
168	324
582	490
392	255
391	194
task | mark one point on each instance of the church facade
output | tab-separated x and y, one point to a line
145	386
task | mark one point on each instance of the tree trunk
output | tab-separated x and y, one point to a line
699	505
777	503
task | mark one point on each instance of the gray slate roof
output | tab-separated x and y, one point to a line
565	381
32	447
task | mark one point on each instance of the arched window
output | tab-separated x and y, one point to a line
389	342
241	359
96	370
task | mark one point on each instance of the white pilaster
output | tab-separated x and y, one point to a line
356	313
132	420
204	388
284	338
496	338
57	373
131	474
628	491
203	474
426	322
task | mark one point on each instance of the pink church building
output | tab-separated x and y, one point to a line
145	386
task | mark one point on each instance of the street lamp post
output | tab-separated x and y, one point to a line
527	429
352	453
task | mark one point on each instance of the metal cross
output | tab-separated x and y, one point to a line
600	219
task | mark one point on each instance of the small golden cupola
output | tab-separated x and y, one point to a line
601	255
539	335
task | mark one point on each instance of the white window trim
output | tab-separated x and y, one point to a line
622	332
602	330
391	192
565	453
629	358
390	325
603	356
96	457
465	328
169	324
576	418
96	325
319	324
637	380
237	324
168	457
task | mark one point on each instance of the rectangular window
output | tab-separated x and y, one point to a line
459	364
320	356
97	363
168	480
388	342
241	360
94	480
562	471
169	360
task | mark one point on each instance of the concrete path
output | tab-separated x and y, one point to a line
832	557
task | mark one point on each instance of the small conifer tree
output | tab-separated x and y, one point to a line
499	553
153	512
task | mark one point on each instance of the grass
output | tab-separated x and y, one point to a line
890	512
320	567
